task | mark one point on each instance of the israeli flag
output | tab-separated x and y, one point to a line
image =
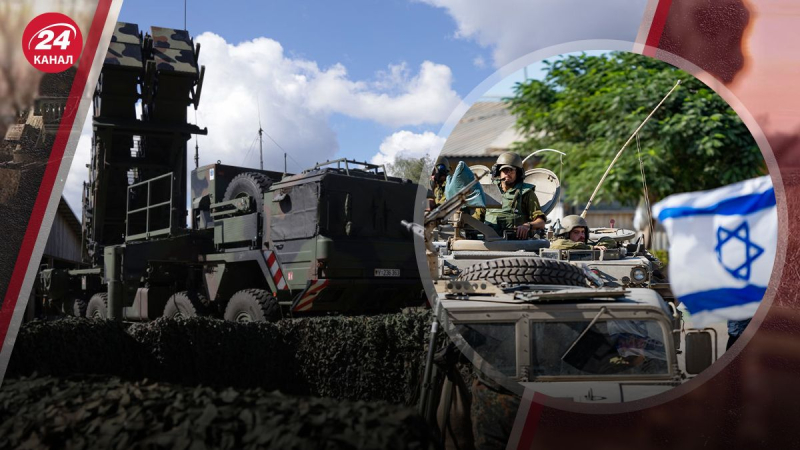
722	248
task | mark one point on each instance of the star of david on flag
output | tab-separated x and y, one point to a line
722	248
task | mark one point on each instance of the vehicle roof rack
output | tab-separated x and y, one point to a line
378	169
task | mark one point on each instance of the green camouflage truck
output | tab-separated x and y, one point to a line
251	244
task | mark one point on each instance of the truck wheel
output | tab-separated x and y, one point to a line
253	305
98	306
251	184
186	304
76	308
525	271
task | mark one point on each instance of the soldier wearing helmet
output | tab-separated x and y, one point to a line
438	179
574	235
439	176
520	208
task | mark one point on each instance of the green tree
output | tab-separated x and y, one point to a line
588	106
410	168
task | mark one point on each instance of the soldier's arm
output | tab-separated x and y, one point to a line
536	217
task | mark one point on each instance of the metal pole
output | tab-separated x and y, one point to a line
583	214
540	151
425	396
260	147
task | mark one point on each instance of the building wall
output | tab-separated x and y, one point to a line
63	243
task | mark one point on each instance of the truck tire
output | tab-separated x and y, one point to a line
525	271
251	184
77	308
98	306
253	305
186	304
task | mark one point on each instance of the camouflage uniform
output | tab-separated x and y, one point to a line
493	412
520	205
438	194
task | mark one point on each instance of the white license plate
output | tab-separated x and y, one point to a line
387	272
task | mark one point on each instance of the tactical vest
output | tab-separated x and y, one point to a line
510	214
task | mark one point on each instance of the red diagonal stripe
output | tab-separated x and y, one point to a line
531	423
311	294
657	27
53	165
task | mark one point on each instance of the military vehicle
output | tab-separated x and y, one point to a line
261	244
585	344
548	321
470	250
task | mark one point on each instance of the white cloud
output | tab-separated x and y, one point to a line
513	28
408	144
295	99
78	173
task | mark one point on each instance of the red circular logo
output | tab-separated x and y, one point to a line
52	42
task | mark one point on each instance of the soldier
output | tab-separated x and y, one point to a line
438	180
574	235
520	208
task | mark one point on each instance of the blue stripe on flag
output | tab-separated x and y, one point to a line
722	298
746	204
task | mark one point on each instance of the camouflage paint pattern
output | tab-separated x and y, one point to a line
173	50
493	412
125	49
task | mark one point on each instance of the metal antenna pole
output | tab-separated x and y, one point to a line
583	214
284	163
260	147
260	138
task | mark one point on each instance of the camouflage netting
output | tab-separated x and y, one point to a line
356	358
111	413
69	346
217	353
377	357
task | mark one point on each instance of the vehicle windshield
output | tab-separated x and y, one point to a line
494	342
609	347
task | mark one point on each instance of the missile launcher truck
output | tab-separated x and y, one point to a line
250	245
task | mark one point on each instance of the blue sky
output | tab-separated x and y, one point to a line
328	33
363	79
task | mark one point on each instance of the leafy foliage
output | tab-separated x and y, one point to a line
588	106
410	168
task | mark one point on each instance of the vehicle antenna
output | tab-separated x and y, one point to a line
583	214
260	138
196	146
